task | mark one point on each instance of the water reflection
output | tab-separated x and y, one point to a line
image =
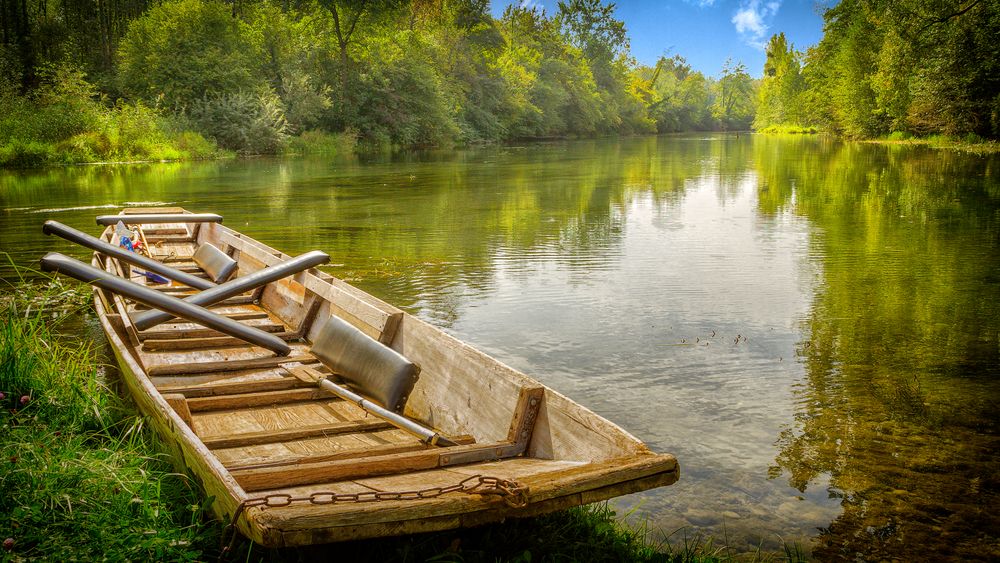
811	326
898	410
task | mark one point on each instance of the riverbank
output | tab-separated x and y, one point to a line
970	143
86	479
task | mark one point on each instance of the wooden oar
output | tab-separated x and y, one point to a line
55	262
93	243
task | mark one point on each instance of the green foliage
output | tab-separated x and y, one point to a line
733	105
246	122
679	99
291	46
64	123
788	130
182	50
79	481
915	66
782	86
321	142
19	153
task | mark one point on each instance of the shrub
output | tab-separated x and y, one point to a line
19	153
85	147
245	122
321	142
195	145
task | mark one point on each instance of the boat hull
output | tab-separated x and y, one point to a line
251	436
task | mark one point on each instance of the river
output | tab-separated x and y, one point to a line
811	326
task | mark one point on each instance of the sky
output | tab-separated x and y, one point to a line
707	32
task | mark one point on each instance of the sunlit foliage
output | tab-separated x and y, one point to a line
401	73
916	66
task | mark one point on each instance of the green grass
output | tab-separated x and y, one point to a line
321	142
81	478
65	122
789	129
970	143
84	479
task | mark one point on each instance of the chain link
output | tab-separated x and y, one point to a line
513	493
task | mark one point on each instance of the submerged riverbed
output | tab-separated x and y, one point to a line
812	327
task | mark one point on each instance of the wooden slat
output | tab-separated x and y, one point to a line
231	302
234	365
352	453
301	474
258	399
159	210
170	238
219	389
159	231
175	290
176	344
298	433
186	333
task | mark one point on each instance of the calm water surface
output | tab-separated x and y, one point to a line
812	327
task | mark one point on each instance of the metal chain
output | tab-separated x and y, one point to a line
513	493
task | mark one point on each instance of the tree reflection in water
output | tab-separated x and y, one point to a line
902	353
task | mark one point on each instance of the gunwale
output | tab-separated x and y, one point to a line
571	456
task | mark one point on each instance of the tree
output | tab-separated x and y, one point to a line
911	65
779	99
183	49
733	105
591	27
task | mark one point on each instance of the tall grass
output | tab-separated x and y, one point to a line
80	477
789	129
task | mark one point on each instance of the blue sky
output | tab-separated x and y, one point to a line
707	32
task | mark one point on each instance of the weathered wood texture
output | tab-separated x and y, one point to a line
238	420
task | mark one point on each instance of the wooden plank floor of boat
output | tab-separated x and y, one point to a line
244	404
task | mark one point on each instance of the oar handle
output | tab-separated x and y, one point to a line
55	262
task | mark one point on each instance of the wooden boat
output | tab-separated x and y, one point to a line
289	462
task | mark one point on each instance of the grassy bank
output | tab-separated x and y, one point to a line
789	130
66	122
970	143
83	478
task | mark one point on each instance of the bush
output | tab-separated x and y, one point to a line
244	122
85	147
19	153
194	145
321	142
403	104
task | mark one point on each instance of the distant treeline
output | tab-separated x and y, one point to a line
902	67
125	79
248	73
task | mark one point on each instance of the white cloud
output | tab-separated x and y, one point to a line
751	21
701	3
